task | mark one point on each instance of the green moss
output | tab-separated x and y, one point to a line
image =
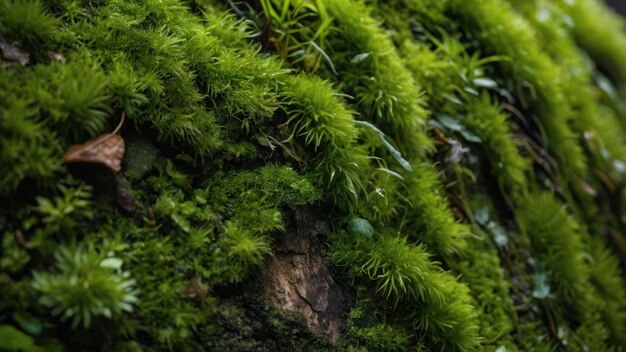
364	331
410	116
605	275
139	158
402	273
27	22
490	125
586	31
88	284
556	239
318	116
501	31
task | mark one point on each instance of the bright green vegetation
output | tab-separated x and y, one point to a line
466	155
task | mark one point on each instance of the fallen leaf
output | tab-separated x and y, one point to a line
197	290
107	149
53	55
588	189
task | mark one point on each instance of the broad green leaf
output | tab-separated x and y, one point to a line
361	227
28	323
449	122
484	82
470	136
112	263
12	339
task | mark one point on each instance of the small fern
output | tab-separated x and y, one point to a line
65	212
85	284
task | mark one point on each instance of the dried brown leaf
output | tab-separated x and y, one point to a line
197	290
588	189
107	149
53	55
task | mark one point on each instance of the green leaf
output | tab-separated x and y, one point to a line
325	56
28	323
471	90
451	98
498	233
484	82
607	87
455	125
449	122
178	177
390	172
542	285
12	339
396	154
619	166
361	227
359	58
470	136
112	263
262	140
482	215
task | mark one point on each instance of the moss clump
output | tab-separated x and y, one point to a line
403	273
476	144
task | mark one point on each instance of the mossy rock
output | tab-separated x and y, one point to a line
358	175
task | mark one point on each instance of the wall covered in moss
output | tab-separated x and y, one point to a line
438	175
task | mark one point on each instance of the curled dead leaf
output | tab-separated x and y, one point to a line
588	189
107	149
54	56
197	290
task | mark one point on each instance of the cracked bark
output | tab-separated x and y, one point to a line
297	282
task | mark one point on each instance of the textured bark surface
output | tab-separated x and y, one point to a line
298	283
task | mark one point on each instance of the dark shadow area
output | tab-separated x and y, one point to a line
618	5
